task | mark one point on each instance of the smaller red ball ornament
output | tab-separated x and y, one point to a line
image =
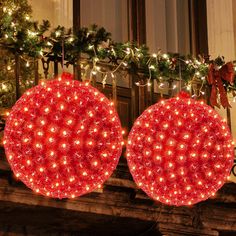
63	139
180	151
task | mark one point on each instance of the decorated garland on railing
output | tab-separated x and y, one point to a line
20	35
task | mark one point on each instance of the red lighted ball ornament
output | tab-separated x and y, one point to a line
180	151
63	139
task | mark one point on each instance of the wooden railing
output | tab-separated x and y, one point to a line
140	96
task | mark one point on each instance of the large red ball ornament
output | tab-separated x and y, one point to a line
63	139
180	151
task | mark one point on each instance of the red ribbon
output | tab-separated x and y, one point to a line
215	79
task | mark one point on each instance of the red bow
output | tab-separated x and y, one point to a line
215	79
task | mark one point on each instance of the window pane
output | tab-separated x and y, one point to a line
58	12
111	14
167	26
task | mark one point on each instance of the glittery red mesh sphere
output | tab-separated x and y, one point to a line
63	139
180	151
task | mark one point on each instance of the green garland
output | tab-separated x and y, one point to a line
20	35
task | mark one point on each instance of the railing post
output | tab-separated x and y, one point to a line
77	69
228	114
94	81
134	99
17	75
36	73
55	68
150	90
45	66
142	97
114	91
